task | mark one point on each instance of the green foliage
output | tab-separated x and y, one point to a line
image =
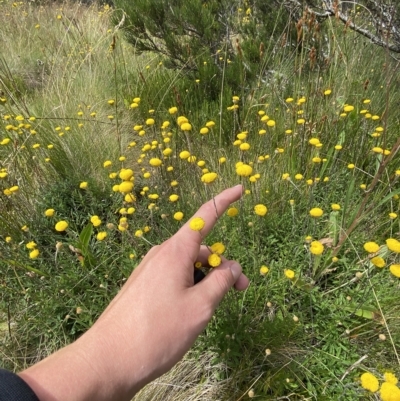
316	325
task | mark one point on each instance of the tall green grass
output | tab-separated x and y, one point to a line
337	317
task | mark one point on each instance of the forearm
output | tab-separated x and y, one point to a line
86	370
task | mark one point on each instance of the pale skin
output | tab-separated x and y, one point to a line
149	326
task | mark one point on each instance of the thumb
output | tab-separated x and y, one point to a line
219	281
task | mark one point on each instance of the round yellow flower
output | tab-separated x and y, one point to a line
232	212
264	270
101	235
369	382
316	212
390	378
218	248
197	223
214	260
184	154
107	163
393	245
371	247
95	221
129	198
186	126
348	108
208	178
150	121
172	110
289	273
61	225
181	119
155	162
31	245
260	210
126	174
83	185
316	248
174	197
244	170
395	270
34	254
378	261
335	206
178	216
389	392
49	212
125	187
138	233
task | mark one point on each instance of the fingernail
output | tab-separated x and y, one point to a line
236	270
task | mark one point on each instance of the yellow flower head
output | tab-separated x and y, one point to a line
389	392
61	225
31	245
95	221
208	178
316	212
186	126
173	197
49	212
218	248
155	162
34	254
335	206
264	270
101	235
184	154
371	247
289	274
178	216
126	174
369	382
395	270
316	248
197	223
214	260
107	163
390	378
348	108
244	170
260	210
125	187
393	245
83	185
232	212
378	261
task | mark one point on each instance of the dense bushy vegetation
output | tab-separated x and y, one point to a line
105	150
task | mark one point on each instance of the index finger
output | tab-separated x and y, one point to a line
209	212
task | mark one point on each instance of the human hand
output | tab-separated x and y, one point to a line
159	312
